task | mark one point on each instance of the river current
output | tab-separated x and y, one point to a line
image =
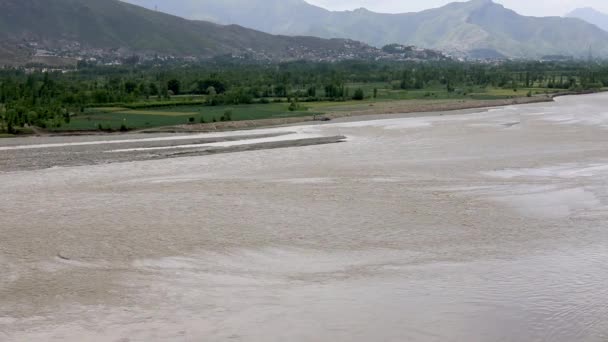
481	225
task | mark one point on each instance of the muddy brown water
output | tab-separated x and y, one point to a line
489	225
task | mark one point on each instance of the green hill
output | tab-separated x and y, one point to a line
477	25
112	26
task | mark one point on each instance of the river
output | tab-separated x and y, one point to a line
480	225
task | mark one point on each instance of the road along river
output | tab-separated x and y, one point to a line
484	225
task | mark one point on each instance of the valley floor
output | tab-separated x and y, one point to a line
353	109
186	118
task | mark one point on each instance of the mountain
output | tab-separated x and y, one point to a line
272	16
476	25
111	27
592	16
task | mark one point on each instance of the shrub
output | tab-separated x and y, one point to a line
227	116
359	95
293	106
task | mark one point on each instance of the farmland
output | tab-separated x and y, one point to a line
144	97
181	111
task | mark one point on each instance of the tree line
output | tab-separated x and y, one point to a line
50	99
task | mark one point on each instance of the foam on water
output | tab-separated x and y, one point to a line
403	123
588	110
553	204
568	171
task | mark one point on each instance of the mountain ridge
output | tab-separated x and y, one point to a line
90	27
458	27
592	16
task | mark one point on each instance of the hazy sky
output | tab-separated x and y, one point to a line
527	7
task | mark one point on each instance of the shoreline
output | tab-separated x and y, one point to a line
415	107
379	108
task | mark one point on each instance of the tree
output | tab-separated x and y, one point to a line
153	89
293	106
334	91
406	80
280	90
448	86
203	86
227	116
143	90
130	87
359	95
312	91
174	86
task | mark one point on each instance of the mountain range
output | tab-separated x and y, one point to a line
592	16
41	30
115	28
462	27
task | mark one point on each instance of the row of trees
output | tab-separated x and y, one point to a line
50	99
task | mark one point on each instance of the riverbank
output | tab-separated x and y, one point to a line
415	107
378	108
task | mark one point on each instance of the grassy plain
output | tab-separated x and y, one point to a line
184	110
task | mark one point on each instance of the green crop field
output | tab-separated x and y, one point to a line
114	117
149	114
386	92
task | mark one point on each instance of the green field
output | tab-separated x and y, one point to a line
179	111
115	117
386	93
